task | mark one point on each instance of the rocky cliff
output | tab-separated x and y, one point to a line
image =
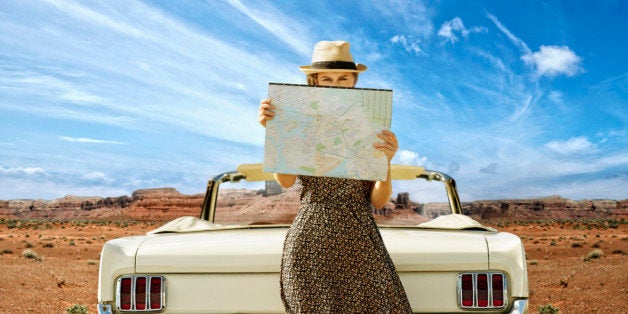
150	204
167	203
553	207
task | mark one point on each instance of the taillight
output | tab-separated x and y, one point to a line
155	292
141	293
467	290
497	281
124	288
482	290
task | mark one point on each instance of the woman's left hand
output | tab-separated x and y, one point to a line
390	144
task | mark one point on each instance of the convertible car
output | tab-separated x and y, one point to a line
227	259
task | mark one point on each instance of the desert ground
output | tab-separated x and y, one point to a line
48	267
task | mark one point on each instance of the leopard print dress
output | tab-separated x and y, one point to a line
334	259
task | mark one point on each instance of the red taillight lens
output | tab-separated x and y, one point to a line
140	293
467	290
155	293
482	290
498	289
125	293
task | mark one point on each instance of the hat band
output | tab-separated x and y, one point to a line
334	65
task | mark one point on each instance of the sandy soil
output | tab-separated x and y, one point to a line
64	271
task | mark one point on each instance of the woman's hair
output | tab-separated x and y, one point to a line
312	78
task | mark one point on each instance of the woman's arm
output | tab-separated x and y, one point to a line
285	180
382	190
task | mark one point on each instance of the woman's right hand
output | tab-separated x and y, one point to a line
265	111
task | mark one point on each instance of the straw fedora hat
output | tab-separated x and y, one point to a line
332	56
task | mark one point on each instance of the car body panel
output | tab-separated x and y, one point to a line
213	268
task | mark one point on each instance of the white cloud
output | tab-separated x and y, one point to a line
410	158
97	176
574	145
21	171
455	26
88	140
554	60
406	44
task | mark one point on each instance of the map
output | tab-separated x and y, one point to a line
327	131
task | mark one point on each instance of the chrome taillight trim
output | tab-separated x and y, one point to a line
133	278
490	290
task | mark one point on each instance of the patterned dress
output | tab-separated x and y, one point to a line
334	259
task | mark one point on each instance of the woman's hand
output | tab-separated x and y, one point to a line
382	190
265	111
390	144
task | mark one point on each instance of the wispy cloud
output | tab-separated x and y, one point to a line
408	45
516	40
451	28
574	145
16	171
283	27
89	140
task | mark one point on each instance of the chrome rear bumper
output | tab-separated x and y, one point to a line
519	307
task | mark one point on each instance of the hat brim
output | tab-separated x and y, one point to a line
307	69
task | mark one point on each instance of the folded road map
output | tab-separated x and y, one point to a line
327	131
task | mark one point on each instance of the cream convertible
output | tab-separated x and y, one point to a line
449	264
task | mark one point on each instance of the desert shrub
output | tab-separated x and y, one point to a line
28	244
92	262
553	242
597	253
576	244
76	309
6	251
72	242
548	309
30	254
614	224
534	262
619	252
48	245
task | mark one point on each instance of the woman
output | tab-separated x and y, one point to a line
334	259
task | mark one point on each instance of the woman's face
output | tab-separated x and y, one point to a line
338	79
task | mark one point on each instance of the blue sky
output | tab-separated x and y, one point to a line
514	99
